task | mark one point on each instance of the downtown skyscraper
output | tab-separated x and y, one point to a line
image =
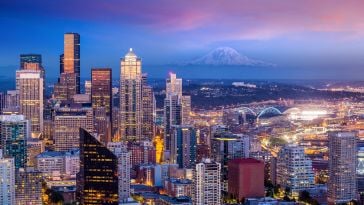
342	184
97	181
69	81
71	58
30	84
177	108
101	99
131	97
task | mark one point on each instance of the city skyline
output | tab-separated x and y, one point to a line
315	40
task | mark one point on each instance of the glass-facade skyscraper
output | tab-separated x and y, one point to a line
14	131
71	56
97	181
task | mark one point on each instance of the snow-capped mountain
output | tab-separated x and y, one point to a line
226	56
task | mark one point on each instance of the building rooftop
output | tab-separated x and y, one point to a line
246	161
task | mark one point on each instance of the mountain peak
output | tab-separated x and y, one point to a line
226	56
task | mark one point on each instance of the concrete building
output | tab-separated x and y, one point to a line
124	166
67	122
207	183
30	84
246	178
294	169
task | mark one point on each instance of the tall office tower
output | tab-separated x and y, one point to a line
61	64
207	183
148	108
173	85
67	122
14	131
31	98
183	146
65	89
88	87
186	109
71	59
28	187
124	166
101	89
130	97
97	181
172	117
30	58
246	178
226	146
294	169
7	182
342	185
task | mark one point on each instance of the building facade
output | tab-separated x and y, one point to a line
294	169
30	84
342	184
207	183
97	181
130	98
67	122
246	178
14	131
7	184
183	146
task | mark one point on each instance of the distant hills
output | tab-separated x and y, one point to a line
226	56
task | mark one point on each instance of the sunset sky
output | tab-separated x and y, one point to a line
305	39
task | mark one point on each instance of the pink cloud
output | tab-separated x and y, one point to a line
242	19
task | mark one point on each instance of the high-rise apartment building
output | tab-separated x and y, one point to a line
207	183
124	166
342	184
67	122
183	146
7	182
131	97
97	181
14	131
246	178
30	84
294	169
28	187
71	57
